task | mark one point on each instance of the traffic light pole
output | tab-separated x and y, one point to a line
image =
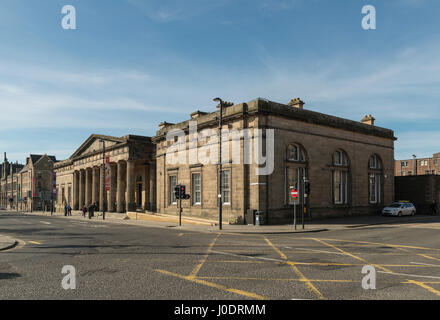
180	212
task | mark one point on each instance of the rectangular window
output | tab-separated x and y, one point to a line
172	184
340	187
196	188
226	187
375	188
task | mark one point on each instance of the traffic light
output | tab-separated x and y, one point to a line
182	192
177	191
307	187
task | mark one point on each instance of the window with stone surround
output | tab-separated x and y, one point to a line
295	153
375	180
196	188
172	183
340	177
295	171
226	187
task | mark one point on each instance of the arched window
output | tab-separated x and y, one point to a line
295	153
340	177
375	180
295	171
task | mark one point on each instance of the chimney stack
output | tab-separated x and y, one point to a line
368	119
296	103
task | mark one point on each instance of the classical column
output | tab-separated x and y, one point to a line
88	188
120	192
112	193
76	190
81	189
147	204
131	204
95	185
152	187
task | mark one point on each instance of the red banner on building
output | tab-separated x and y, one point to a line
107	173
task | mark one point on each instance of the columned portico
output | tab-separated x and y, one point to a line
120	192
129	174
131	204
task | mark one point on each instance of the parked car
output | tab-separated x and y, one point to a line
399	209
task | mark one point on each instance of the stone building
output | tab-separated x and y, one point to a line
9	184
131	174
418	166
350	164
35	183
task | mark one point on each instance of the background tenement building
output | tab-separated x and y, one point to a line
35	182
418	166
9	183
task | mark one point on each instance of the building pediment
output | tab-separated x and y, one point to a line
94	144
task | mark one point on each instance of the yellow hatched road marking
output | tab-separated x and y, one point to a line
381	244
424	285
428	257
196	270
351	255
309	285
214	285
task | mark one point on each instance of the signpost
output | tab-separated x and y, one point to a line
294	195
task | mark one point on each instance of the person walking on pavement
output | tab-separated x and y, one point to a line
84	210
69	210
65	209
91	210
433	208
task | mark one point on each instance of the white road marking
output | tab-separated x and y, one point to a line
427	264
409	275
321	251
45	222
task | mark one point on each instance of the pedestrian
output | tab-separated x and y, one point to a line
84	210
65	209
433	208
91	210
69	210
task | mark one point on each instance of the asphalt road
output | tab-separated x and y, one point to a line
117	261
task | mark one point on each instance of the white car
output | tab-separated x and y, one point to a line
399	209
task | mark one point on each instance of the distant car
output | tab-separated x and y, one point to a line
399	209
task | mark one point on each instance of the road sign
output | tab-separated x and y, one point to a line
294	193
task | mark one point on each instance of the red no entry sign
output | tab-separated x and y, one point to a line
294	193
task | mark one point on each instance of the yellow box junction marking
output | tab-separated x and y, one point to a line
309	285
196	270
215	285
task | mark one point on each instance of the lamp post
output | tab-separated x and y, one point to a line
220	208
103	179
415	164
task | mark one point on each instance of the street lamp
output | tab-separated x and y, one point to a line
220	163
415	164
103	179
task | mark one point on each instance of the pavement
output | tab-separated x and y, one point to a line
129	259
206	225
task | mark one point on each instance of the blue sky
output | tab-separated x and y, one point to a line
134	63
